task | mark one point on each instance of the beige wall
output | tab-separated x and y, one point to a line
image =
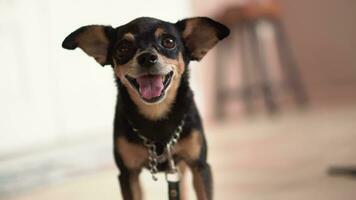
323	33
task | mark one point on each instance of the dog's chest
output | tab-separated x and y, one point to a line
135	156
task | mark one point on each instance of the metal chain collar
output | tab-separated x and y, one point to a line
153	158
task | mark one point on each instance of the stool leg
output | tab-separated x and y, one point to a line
261	64
220	90
289	65
247	88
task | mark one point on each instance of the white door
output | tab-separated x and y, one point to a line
48	94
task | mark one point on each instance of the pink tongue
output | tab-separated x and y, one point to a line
150	86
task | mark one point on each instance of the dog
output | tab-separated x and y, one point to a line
155	104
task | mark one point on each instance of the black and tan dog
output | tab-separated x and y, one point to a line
150	59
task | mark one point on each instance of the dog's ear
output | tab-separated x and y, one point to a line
200	34
94	40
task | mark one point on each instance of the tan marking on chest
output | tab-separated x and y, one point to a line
133	155
189	148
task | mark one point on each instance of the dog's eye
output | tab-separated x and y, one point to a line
124	51
123	48
168	42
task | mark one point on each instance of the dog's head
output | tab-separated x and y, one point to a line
149	56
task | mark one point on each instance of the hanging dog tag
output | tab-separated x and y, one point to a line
173	184
173	190
172	177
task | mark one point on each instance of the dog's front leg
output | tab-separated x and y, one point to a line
202	180
130	185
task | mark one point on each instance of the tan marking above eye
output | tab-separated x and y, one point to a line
128	36
159	32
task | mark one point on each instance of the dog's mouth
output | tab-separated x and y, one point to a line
151	87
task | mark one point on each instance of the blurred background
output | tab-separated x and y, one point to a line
277	98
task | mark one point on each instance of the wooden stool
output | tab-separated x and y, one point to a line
245	21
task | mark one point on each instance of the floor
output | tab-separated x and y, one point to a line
260	158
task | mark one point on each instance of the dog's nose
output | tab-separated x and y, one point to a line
147	59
